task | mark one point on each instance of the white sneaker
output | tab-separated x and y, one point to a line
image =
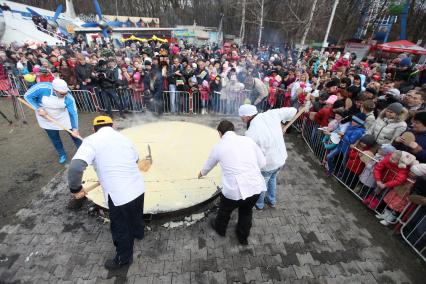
380	216
358	188
389	219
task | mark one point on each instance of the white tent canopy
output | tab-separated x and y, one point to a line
134	20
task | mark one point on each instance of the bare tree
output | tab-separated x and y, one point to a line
308	26
282	21
243	22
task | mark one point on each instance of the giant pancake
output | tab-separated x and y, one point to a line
179	150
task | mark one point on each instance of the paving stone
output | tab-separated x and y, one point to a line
217	277
182	254
253	274
192	265
225	263
199	253
235	275
202	278
396	276
163	279
351	268
320	270
241	261
208	264
143	279
155	267
271	273
314	235
287	272
181	278
172	266
303	271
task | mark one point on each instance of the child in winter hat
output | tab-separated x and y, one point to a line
368	183
396	108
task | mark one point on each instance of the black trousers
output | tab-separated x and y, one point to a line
245	213
109	96
126	225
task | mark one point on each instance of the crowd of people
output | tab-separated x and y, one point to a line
374	106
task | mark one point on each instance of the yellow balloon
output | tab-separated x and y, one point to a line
29	78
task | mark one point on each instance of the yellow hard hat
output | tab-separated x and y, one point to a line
102	119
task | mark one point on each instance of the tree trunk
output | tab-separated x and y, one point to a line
243	23
308	26
261	23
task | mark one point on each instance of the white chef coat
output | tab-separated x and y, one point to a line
241	160
265	129
115	160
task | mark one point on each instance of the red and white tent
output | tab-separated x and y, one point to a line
402	46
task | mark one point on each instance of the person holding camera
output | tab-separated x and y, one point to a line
107	81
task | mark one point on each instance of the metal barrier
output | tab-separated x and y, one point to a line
413	231
390	205
182	102
85	100
123	99
18	83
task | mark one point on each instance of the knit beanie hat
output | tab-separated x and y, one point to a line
396	108
387	149
421	117
359	118
368	140
405	62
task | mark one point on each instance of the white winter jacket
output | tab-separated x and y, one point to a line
386	130
265	129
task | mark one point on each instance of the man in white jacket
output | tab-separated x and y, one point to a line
242	182
265	129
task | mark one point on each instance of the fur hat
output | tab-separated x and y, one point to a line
405	159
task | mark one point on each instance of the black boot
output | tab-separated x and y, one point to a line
112	264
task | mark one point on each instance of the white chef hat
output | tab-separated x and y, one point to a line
60	85
247	110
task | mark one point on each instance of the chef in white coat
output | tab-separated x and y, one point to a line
265	129
242	182
116	163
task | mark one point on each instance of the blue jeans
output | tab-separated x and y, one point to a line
215	102
57	142
336	158
173	97
271	188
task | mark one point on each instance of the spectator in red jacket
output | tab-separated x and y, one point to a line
326	113
45	75
392	171
344	61
354	165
